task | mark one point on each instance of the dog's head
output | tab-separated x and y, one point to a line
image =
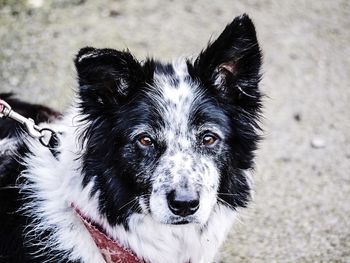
171	140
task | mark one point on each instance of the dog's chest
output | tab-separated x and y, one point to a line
178	244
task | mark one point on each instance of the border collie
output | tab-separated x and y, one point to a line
154	156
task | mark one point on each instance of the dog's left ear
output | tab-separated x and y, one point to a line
232	62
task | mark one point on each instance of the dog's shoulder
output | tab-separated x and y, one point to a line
15	246
12	248
19	240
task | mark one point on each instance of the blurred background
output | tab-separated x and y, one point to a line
301	210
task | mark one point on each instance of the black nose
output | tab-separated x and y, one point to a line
183	203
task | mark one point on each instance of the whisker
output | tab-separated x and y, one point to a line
227	194
128	203
226	203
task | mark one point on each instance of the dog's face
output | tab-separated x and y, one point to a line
171	140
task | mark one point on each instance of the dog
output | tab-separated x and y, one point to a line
152	163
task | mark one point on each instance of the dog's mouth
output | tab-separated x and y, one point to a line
174	220
181	222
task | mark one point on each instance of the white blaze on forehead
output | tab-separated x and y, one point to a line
184	91
177	96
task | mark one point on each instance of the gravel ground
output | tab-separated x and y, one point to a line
302	184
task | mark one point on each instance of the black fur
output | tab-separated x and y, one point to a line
15	245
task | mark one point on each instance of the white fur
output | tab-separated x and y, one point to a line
8	146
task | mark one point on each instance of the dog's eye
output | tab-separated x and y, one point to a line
209	139
145	141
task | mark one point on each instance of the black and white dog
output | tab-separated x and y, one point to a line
155	156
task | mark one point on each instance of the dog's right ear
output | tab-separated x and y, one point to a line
106	77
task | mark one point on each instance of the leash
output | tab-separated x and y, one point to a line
46	136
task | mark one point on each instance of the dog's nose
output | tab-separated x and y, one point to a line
183	203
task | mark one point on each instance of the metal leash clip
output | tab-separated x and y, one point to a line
7	112
46	136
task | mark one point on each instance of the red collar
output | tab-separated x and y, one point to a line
111	251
